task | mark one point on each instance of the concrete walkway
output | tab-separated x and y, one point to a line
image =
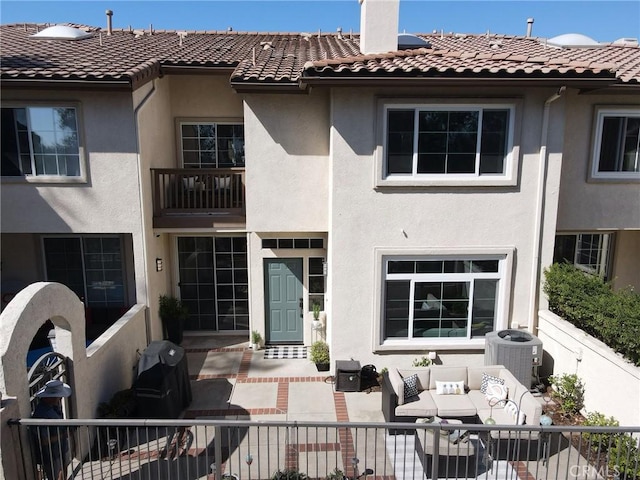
231	381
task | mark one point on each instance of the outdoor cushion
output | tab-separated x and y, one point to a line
454	405
446	374
423	407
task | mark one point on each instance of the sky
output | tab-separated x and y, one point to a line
604	21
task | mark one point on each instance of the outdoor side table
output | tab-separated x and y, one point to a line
347	376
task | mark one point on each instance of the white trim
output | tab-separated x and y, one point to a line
508	178
504	255
600	114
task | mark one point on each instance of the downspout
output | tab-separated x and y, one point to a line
136	111
534	298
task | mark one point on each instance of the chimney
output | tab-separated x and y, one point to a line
529	26
379	20
109	26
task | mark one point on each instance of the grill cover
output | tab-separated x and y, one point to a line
162	388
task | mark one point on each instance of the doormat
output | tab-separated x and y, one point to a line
285	352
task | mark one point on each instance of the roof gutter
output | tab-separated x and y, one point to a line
453	81
264	87
534	288
124	84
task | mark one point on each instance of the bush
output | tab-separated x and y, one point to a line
591	305
599	441
291	474
421	362
319	352
569	390
624	457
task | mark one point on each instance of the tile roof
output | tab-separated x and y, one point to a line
488	55
132	57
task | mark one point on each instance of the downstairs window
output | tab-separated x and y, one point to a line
440	299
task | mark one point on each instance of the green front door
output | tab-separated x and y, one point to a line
283	283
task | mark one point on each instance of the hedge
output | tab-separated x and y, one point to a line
592	305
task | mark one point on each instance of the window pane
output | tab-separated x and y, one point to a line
400	134
463	122
401	267
316	284
433	121
493	143
484	307
610	144
564	249
630	161
429	267
461	163
315	266
432	163
396	309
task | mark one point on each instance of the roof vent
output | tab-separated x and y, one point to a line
626	41
61	32
573	40
407	41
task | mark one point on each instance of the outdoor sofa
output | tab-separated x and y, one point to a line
461	393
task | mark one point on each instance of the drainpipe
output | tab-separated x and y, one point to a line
136	112
534	298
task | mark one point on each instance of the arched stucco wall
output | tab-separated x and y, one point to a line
20	321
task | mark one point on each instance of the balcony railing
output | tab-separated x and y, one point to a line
191	197
245	450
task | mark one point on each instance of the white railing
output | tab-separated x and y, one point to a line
217	449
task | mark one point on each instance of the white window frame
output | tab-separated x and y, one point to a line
508	178
600	114
208	121
504	255
34	177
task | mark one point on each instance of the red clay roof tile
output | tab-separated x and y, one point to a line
285	58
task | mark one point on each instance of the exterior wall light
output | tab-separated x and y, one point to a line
159	265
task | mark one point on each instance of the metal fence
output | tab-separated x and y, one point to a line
243	450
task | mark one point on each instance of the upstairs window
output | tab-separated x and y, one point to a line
40	141
212	145
448	141
617	144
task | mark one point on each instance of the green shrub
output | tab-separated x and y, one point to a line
624	457
591	305
291	474
599	441
319	352
421	362
568	389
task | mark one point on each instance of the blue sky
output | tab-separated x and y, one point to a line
602	20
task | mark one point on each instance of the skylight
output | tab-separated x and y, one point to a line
408	41
61	32
573	40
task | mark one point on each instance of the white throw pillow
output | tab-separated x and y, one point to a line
450	388
512	410
496	393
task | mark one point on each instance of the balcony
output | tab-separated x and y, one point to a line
246	450
198	198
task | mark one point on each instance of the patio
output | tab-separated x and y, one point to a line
252	417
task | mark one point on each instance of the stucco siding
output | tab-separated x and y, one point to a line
591	205
364	218
626	266
287	148
109	201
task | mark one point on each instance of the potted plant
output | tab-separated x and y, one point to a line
256	340
316	324
173	315
319	354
